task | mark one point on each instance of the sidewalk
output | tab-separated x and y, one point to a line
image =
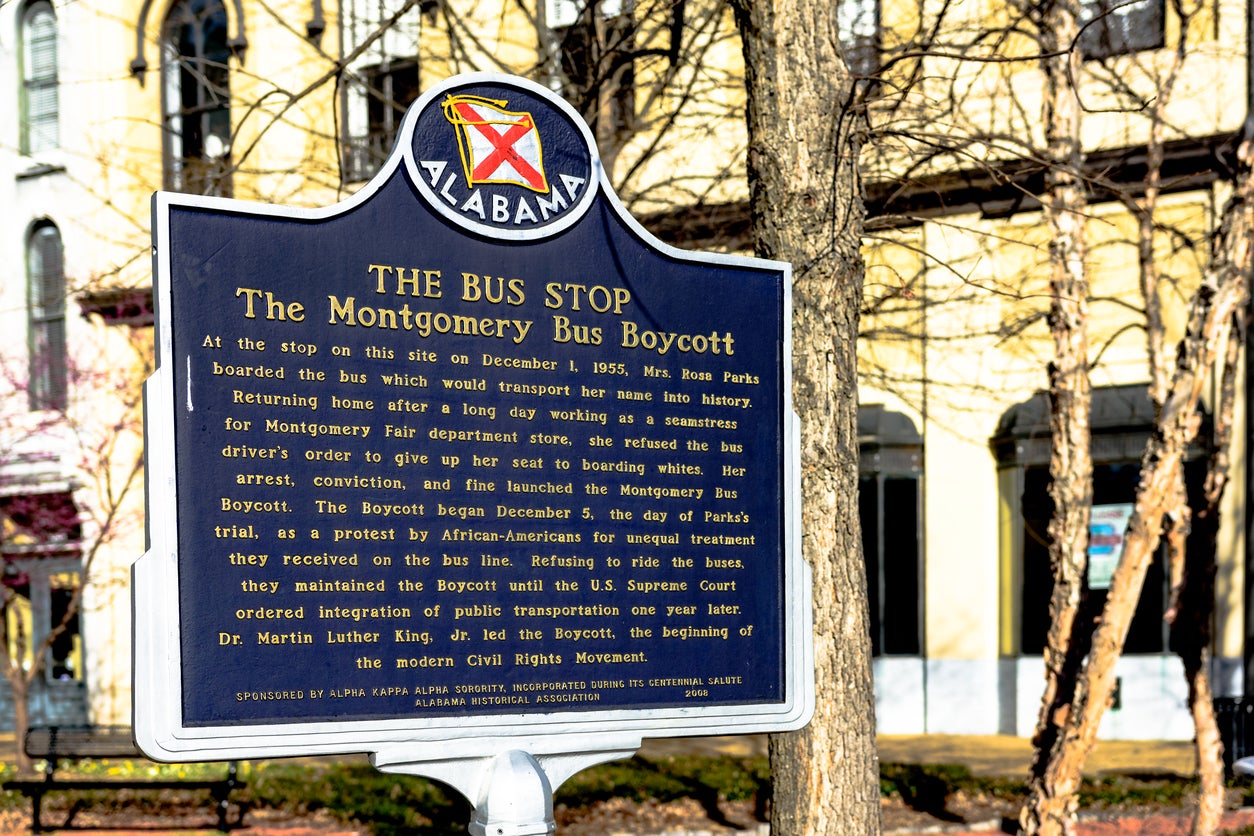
984	755
1001	755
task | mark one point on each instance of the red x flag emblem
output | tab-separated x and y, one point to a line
496	145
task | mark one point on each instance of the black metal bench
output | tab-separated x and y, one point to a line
57	744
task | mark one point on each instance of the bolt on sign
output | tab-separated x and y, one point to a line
467	463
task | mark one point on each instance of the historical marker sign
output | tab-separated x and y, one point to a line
469	456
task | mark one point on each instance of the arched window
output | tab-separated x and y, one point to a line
890	471
39	105
45	305
196	94
1121	420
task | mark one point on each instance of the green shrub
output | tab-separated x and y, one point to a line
1136	790
639	779
354	792
913	782
360	794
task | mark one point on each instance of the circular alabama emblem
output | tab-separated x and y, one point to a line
501	157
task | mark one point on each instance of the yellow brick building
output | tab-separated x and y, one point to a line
298	102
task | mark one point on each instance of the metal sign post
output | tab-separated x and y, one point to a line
468	472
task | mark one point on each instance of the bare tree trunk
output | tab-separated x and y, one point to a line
1191	576
1220	298
807	209
1210	802
1191	628
21	676
23	659
1071	464
13	645
19	687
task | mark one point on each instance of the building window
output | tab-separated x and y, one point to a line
376	97
41	577
858	26
39	105
382	80
196	94
1117	27
65	653
1114	488
40	594
594	47
889	505
18	626
45	283
1121	422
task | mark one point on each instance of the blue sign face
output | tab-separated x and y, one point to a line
472	444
